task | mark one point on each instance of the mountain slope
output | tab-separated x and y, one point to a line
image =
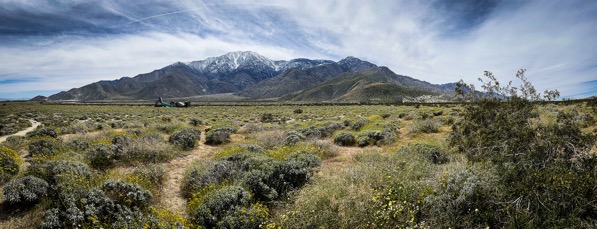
253	76
296	79
375	84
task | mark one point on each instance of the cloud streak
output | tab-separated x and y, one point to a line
69	43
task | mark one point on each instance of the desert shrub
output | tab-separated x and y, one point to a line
101	156
543	180
51	171
150	148
359	124
9	164
131	195
44	147
246	217
332	127
185	138
168	128
154	174
324	149
425	126
384	116
199	178
294	173
293	137
432	153
26	190
217	205
271	139
438	113
268	118
78	144
218	136
75	127
195	121
298	111
397	206
120	145
367	138
313	132
14	142
43	132
344	139
249	128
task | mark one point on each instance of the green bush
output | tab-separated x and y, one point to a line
378	138
219	204
43	132
433	153
120	145
195	122
253	216
425	126
185	138
44	147
130	195
218	136
543	181
25	190
101	156
9	164
359	124
199	178
344	139
293	138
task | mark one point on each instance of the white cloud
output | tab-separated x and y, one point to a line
554	40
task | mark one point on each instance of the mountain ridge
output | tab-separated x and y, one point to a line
247	74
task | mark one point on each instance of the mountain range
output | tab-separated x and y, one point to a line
248	75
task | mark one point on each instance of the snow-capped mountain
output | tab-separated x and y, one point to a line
246	74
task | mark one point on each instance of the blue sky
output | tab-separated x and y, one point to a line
50	46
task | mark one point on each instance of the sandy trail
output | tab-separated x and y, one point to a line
170	195
34	123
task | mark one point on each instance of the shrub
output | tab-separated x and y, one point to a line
463	199
218	136
386	136
131	195
271	139
425	126
344	139
246	217
44	147
538	166
219	204
25	190
9	164
332	127
101	156
359	124
154	174
298	111
324	149
314	132
150	148
293	137
268	118
51	171
213	174
43	132
185	138
195	122
120	145
14	142
384	116
433	153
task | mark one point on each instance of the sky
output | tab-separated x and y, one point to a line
55	45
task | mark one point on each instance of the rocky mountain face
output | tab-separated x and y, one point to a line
253	76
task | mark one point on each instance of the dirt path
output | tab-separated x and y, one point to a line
34	123
171	197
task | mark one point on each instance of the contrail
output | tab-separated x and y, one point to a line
159	15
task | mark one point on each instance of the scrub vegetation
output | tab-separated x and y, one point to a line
500	162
